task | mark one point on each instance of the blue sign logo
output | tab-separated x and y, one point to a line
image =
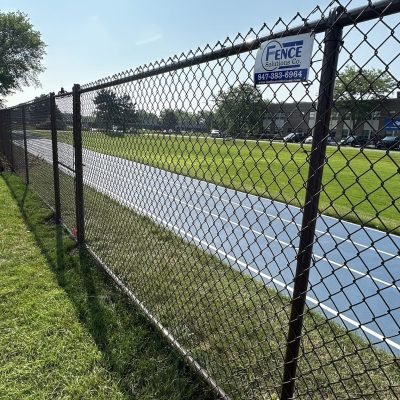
282	55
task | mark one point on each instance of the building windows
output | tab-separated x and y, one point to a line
346	116
276	120
280	115
334	116
345	133
268	121
280	120
313	114
366	133
376	115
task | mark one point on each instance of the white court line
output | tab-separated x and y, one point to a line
286	244
294	222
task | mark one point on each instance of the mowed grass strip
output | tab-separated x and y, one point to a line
359	186
232	324
65	331
45	352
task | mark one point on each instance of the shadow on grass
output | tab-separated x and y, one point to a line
138	357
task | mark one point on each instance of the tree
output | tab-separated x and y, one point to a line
127	112
112	111
38	111
205	120
358	92
38	114
147	120
21	52
107	109
184	119
169	119
240	110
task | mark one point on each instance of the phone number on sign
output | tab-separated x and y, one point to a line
270	76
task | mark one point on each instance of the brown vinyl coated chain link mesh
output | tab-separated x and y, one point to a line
258	227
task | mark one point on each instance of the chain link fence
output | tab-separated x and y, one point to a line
257	227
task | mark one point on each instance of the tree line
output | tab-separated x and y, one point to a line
240	109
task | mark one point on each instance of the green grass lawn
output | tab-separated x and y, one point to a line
359	186
65	331
233	325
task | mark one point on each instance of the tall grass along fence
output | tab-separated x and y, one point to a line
272	267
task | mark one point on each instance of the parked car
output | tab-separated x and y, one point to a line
294	138
330	140
354	141
389	142
308	140
216	133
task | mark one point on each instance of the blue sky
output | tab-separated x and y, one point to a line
88	39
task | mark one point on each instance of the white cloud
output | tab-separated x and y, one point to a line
149	39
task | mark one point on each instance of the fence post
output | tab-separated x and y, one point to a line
25	146
332	42
2	112
77	131
10	135
54	145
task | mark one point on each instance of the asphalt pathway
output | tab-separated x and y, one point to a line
355	277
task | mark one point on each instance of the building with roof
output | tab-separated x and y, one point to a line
285	118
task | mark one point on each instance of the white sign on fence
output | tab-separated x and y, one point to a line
286	59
